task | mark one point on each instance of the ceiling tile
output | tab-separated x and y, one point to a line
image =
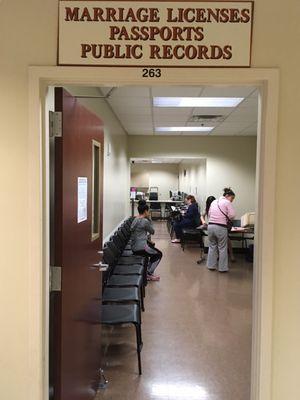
212	110
176	91
130	91
133	106
251	130
172	112
227	91
251	102
254	93
137	126
163	121
130	102
127	118
236	116
246	112
201	124
132	113
105	90
234	125
230	128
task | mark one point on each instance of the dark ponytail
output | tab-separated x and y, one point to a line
209	200
228	192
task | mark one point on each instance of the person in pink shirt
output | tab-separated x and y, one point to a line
220	211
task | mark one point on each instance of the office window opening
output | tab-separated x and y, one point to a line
96	191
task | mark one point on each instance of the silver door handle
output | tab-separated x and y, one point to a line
102	267
100	252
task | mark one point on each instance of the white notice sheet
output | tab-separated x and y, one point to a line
82	199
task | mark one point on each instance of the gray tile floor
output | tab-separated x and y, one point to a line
196	333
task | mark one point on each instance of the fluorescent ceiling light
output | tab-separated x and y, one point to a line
197	101
184	129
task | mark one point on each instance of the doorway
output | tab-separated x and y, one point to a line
266	79
76	165
222	129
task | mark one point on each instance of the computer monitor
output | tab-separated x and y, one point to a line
153	193
153	196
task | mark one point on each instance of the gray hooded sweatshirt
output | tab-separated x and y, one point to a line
140	229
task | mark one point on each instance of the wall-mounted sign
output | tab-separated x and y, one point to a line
158	34
82	192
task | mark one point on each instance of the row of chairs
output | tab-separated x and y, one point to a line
124	284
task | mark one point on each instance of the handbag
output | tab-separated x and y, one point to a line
229	222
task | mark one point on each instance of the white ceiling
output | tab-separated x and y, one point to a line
133	106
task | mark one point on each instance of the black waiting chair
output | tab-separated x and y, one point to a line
125	265
192	236
120	314
127	281
123	276
124	237
121	296
125	260
123	284
123	244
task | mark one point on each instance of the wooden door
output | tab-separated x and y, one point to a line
78	184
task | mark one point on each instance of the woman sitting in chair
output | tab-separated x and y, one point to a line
191	219
141	229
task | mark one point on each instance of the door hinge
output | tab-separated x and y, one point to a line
55	123
55	279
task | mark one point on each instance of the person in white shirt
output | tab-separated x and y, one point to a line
220	212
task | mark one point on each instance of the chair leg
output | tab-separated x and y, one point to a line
143	291
139	346
140	310
145	282
142	299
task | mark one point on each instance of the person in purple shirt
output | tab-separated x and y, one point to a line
191	218
220	211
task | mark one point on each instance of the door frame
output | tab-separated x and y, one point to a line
267	79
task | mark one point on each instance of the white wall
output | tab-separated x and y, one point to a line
193	180
230	161
30	32
116	163
164	176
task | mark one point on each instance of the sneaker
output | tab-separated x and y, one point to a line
153	277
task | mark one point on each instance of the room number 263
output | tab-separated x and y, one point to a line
151	73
